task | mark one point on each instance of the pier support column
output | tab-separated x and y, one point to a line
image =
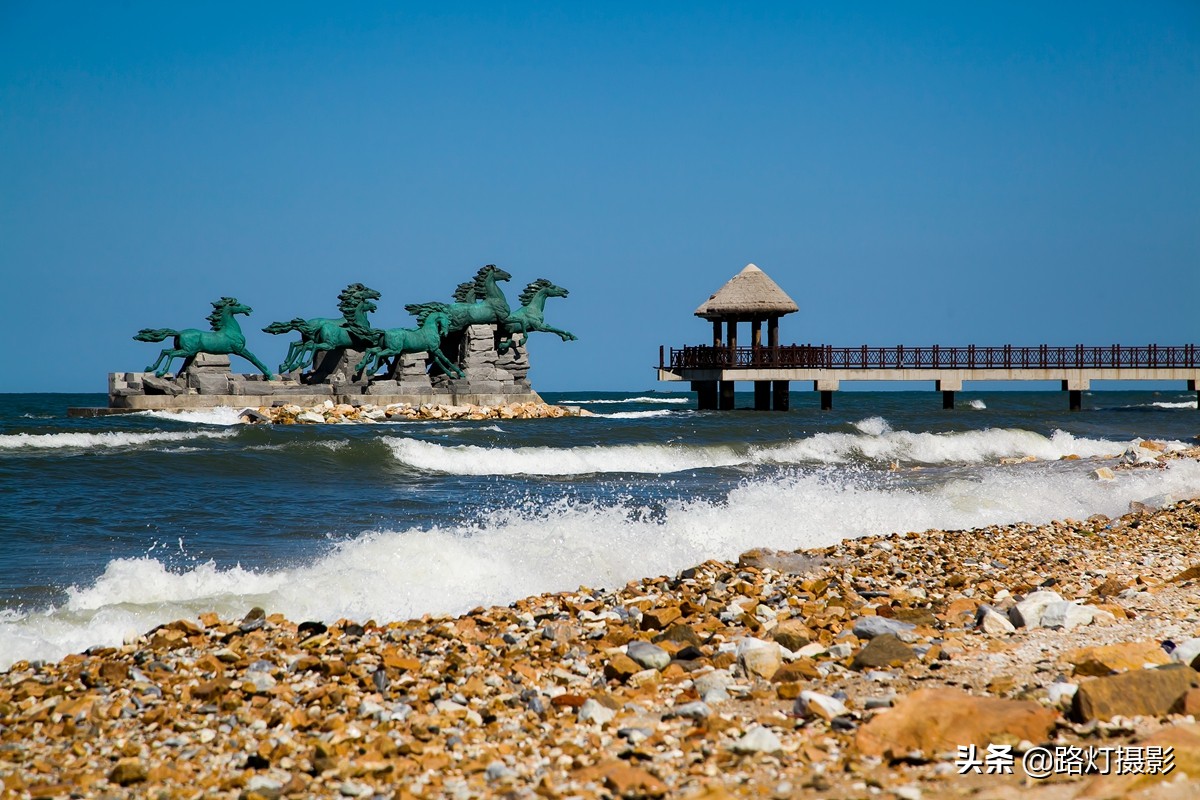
826	388
726	402
1194	386
762	395
706	395
780	395
948	386
1075	387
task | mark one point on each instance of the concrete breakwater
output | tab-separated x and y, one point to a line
330	412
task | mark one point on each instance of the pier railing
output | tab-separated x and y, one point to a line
809	356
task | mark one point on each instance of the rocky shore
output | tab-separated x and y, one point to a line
333	413
852	671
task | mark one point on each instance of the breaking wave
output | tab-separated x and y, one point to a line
107	439
547	546
875	441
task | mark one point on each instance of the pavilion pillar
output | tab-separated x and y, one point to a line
762	395
780	395
726	401
731	340
773	332
716	332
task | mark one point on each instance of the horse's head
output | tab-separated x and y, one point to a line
496	273
224	308
441	321
546	287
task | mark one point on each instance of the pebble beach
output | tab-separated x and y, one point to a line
850	671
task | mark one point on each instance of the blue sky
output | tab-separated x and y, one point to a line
910	173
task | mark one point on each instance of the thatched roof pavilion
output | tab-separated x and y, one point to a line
750	296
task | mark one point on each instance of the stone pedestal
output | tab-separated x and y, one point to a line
207	374
335	366
487	370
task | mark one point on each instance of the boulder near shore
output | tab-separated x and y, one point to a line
852	671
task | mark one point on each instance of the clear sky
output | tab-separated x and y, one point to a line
912	173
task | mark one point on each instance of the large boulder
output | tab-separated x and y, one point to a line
939	720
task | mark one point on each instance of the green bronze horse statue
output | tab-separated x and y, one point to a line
530	316
396	342
478	302
225	338
324	333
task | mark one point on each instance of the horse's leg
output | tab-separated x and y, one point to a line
448	366
171	356
246	354
287	365
566	336
161	355
371	355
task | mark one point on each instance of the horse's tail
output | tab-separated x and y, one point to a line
283	327
373	335
155	334
422	310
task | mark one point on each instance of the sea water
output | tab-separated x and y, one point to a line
110	526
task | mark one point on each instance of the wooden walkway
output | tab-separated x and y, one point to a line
712	371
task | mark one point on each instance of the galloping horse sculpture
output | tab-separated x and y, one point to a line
530	316
467	310
322	333
396	342
225	338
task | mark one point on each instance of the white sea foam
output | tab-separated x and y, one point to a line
515	552
977	404
638	458
657	412
107	439
1184	404
220	415
464	428
676	400
875	441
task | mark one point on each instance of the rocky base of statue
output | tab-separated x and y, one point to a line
207	381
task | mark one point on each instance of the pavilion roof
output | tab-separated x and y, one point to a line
750	293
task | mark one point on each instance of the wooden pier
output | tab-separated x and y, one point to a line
712	371
752	297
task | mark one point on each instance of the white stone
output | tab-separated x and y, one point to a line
840	651
311	417
591	711
498	771
648	655
1061	693
261	681
822	705
1028	612
1186	651
1067	615
994	624
758	658
757	740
